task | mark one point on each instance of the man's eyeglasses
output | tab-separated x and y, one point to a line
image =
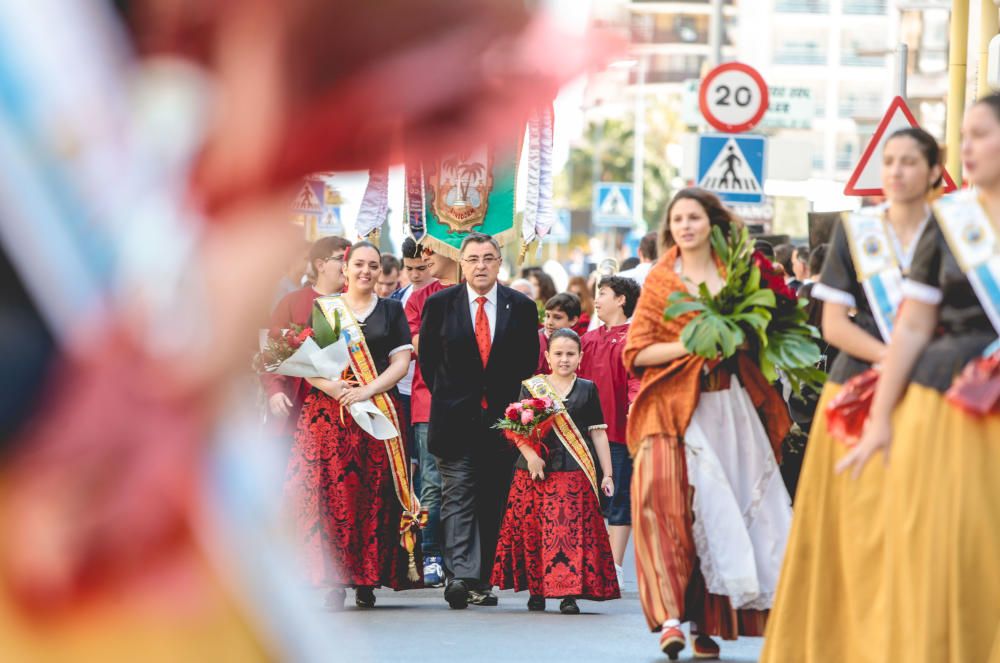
339	258
488	261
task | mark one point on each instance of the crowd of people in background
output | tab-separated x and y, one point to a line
492	511
651	435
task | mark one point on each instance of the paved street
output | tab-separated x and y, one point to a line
421	621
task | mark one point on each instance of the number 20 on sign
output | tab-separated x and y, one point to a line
733	97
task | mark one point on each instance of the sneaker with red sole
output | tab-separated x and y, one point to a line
672	642
705	648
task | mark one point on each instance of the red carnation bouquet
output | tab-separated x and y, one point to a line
527	422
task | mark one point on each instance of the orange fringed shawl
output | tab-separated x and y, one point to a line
669	393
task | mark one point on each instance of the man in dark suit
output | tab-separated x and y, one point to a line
478	341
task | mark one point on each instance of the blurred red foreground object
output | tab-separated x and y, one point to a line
105	479
346	86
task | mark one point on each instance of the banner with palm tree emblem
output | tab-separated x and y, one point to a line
471	191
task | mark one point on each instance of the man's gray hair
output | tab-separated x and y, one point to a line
478	238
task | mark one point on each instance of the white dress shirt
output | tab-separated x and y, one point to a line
405	386
637	273
490	306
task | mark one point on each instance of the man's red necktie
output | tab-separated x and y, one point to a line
483	335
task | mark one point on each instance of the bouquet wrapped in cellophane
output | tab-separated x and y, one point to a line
755	310
317	351
525	423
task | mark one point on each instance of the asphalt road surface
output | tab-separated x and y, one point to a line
418	625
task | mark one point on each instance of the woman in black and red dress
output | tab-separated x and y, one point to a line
553	541
339	481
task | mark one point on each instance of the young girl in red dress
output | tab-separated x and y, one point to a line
553	541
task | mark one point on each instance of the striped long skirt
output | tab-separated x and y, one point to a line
671	585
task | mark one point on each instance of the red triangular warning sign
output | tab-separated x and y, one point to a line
866	180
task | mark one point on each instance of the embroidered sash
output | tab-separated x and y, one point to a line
363	367
877	266
973	240
566	429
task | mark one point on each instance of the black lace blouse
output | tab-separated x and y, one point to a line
963	330
584	407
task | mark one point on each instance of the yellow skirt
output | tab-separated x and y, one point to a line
943	533
181	609
830	605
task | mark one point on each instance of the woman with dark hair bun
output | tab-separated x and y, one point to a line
831	584
349	492
707	429
936	408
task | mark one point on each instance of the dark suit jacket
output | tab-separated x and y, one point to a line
454	373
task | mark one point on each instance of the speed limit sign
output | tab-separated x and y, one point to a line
733	97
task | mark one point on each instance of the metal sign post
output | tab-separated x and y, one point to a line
902	61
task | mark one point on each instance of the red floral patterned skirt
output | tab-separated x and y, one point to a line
553	541
339	489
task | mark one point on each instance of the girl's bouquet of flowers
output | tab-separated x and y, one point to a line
317	351
527	422
754	310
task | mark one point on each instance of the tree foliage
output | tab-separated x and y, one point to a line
611	144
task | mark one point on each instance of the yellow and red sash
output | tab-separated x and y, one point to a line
565	428
363	366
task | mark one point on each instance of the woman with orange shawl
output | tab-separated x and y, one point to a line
709	509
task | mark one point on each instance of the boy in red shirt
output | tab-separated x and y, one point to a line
446	271
562	311
602	364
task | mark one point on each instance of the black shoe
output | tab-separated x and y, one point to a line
364	597
456	594
569	607
487	598
536	603
335	599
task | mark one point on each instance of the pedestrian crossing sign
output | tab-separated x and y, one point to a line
613	204
732	166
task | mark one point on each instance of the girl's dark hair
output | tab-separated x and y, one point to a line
993	101
546	286
928	147
566	333
363	244
718	214
586	294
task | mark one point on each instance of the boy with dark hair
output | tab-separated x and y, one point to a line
602	364
562	311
